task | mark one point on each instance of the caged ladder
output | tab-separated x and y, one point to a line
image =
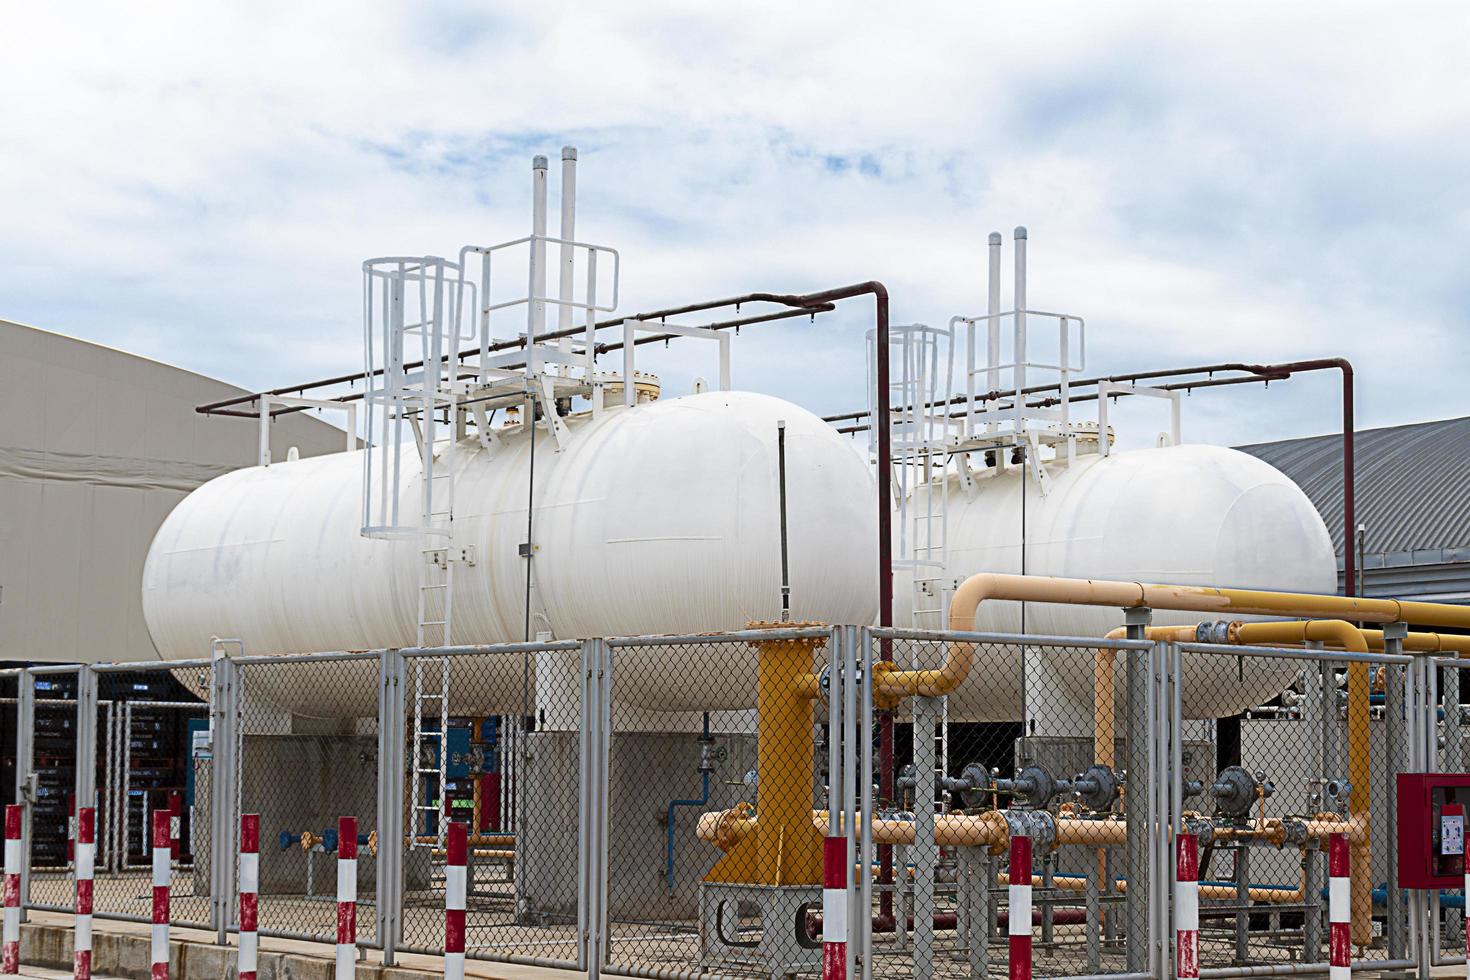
922	434
417	304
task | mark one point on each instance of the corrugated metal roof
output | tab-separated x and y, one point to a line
1412	488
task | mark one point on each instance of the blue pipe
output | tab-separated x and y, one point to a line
674	805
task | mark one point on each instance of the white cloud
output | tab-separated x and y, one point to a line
201	183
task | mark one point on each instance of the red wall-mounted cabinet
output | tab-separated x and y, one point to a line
1431	819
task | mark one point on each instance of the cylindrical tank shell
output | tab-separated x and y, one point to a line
1186	515
662	518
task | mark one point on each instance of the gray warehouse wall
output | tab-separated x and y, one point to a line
96	447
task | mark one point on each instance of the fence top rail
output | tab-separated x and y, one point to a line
1451	661
1295	653
306	658
44	669
465	650
144	665
733	636
1007	639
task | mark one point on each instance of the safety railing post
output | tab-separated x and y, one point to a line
224	721
392	759
25	777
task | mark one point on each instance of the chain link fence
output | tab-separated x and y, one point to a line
1033	741
656	806
1307	744
495	740
307	745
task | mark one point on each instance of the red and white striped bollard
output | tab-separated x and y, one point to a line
456	888
1018	924
162	873
1339	908
10	952
249	952
346	898
86	862
834	908
1186	907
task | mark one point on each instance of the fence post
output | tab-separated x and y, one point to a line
1018	914
1138	913
86	750
591	823
86	862
346	898
10	951
392	757
224	775
1186	907
834	846
593	747
25	781
162	875
249	877
455	893
1339	909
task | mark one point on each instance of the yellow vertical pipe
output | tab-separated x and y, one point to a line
784	848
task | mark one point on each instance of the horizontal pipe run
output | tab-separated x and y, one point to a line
797	309
1008	639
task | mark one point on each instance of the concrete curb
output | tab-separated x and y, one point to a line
129	956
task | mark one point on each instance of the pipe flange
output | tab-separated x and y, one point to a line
1234	791
1202	828
978	788
1039	825
824	682
1293	832
1040	786
1097	788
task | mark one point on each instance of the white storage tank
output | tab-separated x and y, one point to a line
1185	515
663	518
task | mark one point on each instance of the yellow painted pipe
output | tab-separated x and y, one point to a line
786	849
727	828
1217	602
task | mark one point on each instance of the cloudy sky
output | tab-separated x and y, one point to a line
1202	182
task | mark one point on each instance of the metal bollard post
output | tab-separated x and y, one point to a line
1018	927
162	872
346	898
1339	909
10	956
249	876
86	863
1186	907
456	888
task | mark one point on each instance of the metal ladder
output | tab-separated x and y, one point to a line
427	745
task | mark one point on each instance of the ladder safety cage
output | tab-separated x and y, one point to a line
406	299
